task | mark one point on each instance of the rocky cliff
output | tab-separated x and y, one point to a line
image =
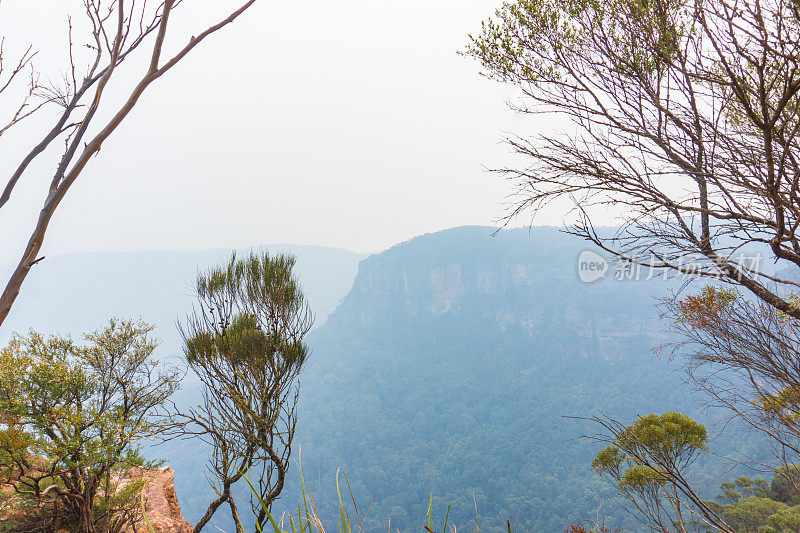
516	278
161	503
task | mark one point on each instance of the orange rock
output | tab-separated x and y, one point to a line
161	502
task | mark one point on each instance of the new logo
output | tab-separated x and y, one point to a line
591	266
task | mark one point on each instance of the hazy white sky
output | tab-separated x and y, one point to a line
351	124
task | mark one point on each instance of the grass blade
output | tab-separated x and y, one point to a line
144	514
264	506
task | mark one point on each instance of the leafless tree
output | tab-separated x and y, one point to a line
746	357
245	344
117	29
682	114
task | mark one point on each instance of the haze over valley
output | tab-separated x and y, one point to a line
445	365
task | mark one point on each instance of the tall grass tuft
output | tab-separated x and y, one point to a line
307	519
309	522
144	515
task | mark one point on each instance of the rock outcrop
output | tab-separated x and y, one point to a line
161	502
520	280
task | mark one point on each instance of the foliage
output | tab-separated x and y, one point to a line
701	309
786	520
741	356
529	40
671	438
73	419
784	484
755	506
245	345
744	486
647	461
682	118
751	513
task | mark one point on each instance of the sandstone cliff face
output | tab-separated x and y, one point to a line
161	503
511	281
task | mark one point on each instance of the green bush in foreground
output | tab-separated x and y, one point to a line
72	418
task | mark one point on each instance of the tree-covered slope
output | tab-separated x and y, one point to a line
451	367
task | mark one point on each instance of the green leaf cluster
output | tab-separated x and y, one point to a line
669	440
535	41
73	418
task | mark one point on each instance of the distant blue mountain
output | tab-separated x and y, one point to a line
450	367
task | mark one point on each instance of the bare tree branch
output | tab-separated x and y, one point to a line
116	33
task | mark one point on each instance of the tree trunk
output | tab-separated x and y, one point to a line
86	519
235	514
15	282
213	506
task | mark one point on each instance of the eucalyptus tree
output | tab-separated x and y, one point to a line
648	462
244	342
79	118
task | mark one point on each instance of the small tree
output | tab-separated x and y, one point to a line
245	344
647	461
72	418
